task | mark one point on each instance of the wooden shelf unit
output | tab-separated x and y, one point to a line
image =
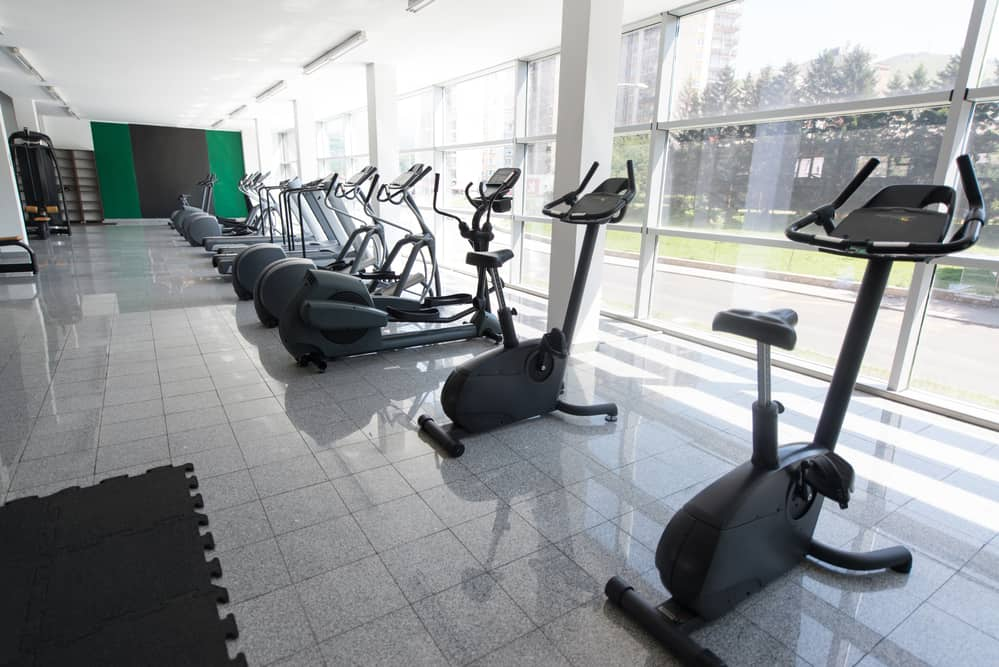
80	185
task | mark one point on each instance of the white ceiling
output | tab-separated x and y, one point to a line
190	62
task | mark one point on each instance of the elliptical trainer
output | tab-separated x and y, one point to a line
525	379
757	522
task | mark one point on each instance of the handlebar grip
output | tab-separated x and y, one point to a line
586	179
861	176
631	177
333	182
970	182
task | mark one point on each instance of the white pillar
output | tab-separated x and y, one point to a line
587	93
305	133
11	217
26	114
383	128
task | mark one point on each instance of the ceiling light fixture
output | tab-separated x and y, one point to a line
18	56
417	5
338	51
54	94
218	122
72	113
272	91
238	110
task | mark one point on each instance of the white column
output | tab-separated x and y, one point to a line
305	132
383	127
11	217
26	114
591	39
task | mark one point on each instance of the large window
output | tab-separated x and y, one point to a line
286	145
542	95
342	143
755	178
480	109
728	62
636	82
416	121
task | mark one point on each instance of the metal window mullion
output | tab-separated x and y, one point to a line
668	33
984	94
873	105
954	139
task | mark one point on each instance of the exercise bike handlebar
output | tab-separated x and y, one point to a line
571	197
608	202
965	237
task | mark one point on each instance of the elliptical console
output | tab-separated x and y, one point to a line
757	522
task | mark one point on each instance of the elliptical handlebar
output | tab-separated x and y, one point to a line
349	189
396	191
824	216
438	211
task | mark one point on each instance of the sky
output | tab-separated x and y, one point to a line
772	31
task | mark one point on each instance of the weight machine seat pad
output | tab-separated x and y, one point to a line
775	327
489	259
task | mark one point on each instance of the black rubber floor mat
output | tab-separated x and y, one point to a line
113	574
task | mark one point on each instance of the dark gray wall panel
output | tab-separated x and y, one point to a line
168	161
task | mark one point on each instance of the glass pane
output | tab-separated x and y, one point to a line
536	255
983	145
357	138
423	193
333	165
480	109
542	95
539	176
472	165
634	147
636	81
961	316
695	279
416	121
332	137
756	178
728	60
357	163
620	279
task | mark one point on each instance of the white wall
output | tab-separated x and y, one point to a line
68	132
11	217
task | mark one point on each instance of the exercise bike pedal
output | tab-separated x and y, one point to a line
830	475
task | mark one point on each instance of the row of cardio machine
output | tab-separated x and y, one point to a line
754	523
298	233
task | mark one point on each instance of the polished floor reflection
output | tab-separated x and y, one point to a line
345	539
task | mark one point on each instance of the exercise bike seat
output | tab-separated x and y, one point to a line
774	327
489	259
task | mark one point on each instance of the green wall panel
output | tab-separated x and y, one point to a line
225	159
116	170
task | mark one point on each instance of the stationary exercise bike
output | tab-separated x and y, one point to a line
525	379
757	522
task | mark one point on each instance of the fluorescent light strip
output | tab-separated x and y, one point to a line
218	122
238	110
18	57
417	5
338	51
54	94
272	91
